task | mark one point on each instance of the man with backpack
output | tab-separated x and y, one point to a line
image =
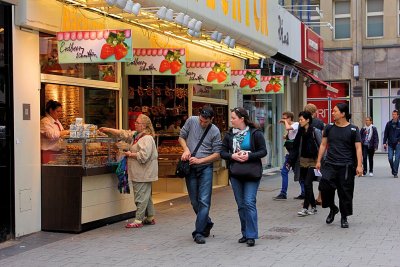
342	162
391	142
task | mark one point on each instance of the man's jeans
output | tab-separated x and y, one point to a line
394	152
199	186
285	179
245	195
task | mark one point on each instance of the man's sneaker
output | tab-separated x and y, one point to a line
371	174
313	210
199	239
299	197
280	197
303	212
395	176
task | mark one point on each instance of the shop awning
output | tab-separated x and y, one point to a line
319	81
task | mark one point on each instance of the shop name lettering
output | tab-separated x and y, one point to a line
284	38
142	65
256	90
79	50
194	77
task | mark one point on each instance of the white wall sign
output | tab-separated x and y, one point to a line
289	34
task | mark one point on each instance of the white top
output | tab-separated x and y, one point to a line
292	133
50	133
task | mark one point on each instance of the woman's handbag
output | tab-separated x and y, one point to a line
249	170
183	167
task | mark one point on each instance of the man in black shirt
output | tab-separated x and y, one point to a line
340	164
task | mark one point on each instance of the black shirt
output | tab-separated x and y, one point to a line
340	146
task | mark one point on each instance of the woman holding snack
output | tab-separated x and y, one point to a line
142	167
51	131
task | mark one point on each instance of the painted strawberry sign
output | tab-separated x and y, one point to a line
94	46
272	84
157	61
247	80
205	72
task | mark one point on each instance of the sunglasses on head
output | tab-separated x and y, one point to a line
239	112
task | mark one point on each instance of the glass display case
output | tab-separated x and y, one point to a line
169	152
86	152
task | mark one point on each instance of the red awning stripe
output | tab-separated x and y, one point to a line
319	81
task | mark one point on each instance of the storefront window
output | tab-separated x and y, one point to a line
49	64
378	88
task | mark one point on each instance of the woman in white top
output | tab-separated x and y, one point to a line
51	131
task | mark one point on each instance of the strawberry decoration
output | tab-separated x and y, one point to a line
218	73
273	85
114	45
171	62
249	79
108	74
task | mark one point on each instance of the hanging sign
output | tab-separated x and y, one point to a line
94	46
247	80
206	72
153	61
272	84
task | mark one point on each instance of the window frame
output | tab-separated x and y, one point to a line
341	16
374	14
398	18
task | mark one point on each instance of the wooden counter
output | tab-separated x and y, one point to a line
75	199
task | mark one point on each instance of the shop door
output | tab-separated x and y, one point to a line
6	142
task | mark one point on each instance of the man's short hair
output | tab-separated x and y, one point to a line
289	114
207	112
310	108
395	111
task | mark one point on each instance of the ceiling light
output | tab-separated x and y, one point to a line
227	40
161	12
136	8
169	15
111	2
179	18
192	23
186	20
193	33
232	43
214	35
197	26
128	7
121	3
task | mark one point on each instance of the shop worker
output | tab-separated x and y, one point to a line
199	181
51	131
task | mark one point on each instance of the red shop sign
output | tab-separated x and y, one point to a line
312	52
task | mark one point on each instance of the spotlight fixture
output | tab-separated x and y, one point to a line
111	2
273	66
232	43
186	20
227	40
136	8
161	12
121	3
193	33
169	15
128	7
179	18
197	26
192	24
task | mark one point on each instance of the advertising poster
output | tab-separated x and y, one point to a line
94	46
206	72
157	61
272	84
249	81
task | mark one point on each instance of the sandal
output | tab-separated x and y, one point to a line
134	225
152	222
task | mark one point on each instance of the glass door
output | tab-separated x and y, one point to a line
6	130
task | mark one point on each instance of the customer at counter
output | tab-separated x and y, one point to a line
51	131
142	167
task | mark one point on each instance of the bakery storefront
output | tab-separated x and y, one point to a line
76	189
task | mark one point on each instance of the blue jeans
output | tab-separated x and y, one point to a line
396	153
199	186
245	195
285	179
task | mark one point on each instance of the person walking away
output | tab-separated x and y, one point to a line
142	167
304	156
319	124
391	142
199	181
291	128
343	161
369	141
244	144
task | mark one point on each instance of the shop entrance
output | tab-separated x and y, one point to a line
6	130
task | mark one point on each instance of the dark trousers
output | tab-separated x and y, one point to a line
308	175
368	153
340	178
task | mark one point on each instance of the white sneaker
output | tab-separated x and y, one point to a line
371	174
303	212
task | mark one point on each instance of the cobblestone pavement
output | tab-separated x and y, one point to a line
373	238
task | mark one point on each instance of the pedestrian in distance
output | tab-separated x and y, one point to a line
304	157
291	127
391	142
199	181
319	124
370	142
342	162
142	167
244	145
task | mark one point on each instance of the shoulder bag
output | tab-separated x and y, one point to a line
183	167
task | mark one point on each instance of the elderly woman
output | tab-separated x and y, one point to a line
51	130
142	167
244	145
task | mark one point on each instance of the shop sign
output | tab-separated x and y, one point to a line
157	61
249	81
312	54
289	34
94	46
206	72
272	84
252	22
